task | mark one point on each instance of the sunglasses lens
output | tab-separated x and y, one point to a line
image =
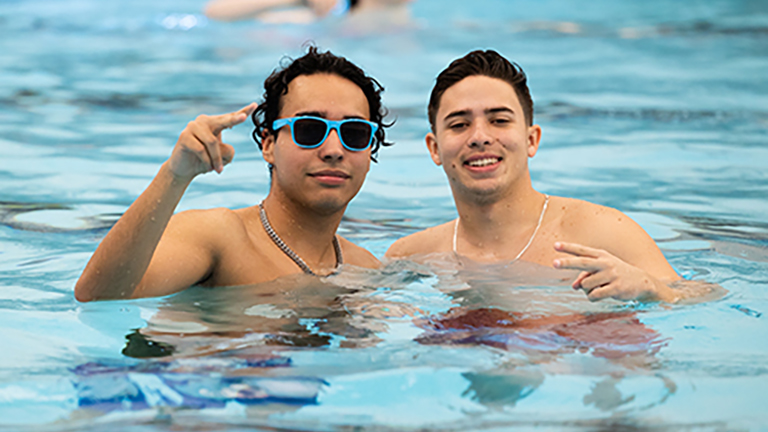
356	135
309	132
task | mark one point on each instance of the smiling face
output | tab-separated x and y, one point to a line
328	177
482	139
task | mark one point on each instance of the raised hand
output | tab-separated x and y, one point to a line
603	275
200	149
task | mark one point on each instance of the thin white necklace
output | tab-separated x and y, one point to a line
530	240
288	251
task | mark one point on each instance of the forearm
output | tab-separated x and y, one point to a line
121	260
691	291
231	10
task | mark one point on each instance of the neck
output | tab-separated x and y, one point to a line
308	232
498	229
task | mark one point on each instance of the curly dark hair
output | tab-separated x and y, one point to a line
314	62
488	63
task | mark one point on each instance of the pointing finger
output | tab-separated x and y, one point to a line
577	249
587	264
226	121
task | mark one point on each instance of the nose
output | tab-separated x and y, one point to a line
332	149
480	134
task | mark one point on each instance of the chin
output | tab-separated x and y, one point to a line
328	205
481	195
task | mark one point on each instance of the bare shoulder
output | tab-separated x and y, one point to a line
611	230
595	224
218	215
355	255
431	240
206	225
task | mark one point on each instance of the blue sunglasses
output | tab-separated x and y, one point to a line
311	132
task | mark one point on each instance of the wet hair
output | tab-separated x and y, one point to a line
315	62
487	63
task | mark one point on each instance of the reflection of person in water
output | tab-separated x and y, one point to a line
620	338
258	320
204	348
610	335
305	11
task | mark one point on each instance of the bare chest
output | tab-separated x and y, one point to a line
249	260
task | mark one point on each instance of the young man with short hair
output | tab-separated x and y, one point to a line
318	127
481	114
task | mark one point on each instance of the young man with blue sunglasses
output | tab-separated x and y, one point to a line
319	126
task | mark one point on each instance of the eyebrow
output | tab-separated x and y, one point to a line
466	112
499	110
460	113
310	114
322	115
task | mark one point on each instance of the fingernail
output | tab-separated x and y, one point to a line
557	245
556	263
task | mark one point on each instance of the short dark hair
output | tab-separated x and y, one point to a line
488	63
315	62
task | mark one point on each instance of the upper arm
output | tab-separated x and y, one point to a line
184	256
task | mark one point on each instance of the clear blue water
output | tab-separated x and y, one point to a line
657	108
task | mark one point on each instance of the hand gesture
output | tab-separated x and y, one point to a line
200	150
604	275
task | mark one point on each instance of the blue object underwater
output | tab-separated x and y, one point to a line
188	383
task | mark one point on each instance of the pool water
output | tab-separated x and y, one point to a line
659	109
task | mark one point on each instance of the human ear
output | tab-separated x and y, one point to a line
431	141
268	147
534	137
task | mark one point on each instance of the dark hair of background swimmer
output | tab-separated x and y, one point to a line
313	62
487	63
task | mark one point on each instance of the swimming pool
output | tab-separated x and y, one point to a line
658	109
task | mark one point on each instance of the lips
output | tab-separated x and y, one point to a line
330	173
330	177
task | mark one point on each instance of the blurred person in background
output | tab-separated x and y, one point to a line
307	11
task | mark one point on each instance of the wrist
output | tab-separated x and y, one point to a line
665	293
173	178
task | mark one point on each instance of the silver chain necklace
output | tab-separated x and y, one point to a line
288	251
530	240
